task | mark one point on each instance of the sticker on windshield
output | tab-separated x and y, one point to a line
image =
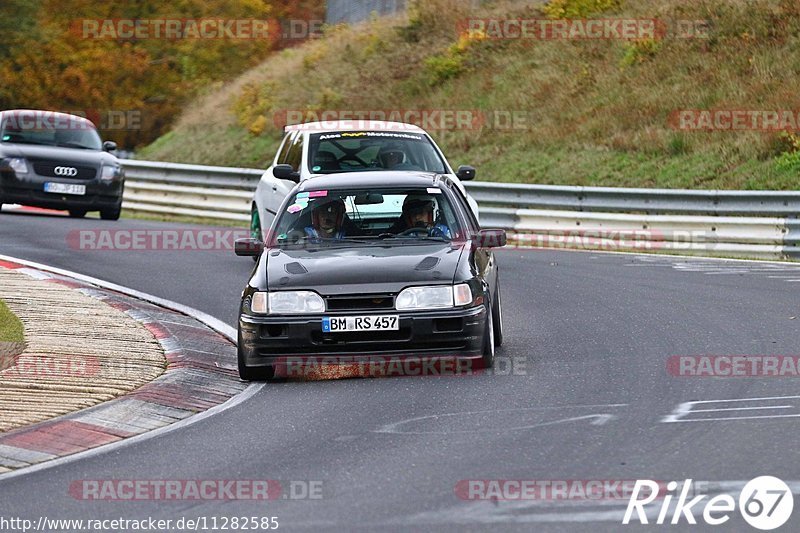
6	137
362	134
294	208
302	195
316	168
317	194
434	190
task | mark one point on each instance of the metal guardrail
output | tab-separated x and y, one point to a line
759	224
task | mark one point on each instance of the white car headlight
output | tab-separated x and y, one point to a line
295	302
110	172
19	165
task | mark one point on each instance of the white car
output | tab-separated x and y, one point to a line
332	147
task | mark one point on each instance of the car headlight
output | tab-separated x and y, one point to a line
110	172
258	303
18	164
295	302
436	297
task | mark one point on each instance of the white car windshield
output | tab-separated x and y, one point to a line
372	150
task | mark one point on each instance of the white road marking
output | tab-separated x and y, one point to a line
598	419
686	409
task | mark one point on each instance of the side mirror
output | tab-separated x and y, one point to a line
248	247
490	238
109	146
466	173
286	172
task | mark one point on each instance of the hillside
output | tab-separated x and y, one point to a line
589	112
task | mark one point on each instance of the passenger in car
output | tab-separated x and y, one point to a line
325	161
419	212
327	220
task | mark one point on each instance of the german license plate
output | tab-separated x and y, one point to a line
331	324
65	188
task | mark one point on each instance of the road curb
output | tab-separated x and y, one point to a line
201	374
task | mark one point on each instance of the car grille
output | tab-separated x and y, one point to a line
361	302
48	169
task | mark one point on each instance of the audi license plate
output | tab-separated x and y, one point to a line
65	188
360	323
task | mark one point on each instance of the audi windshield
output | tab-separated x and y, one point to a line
372	150
50	130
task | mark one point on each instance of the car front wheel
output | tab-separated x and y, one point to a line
488	342
111	213
497	318
249	373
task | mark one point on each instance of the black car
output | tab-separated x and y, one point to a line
58	161
369	265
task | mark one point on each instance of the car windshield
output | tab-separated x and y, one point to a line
367	217
50	130
372	150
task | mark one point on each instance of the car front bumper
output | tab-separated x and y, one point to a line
29	190
423	335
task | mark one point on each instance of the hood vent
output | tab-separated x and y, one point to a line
295	268
427	264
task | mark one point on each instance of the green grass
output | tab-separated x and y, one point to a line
597	112
182	219
11	329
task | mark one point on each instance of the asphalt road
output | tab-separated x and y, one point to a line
590	335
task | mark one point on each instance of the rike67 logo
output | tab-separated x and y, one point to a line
765	503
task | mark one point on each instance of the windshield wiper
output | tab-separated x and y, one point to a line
26	141
74	145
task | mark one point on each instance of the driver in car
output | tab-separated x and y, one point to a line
327	220
391	157
419	213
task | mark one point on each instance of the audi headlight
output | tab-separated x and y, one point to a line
110	172
437	297
295	302
18	164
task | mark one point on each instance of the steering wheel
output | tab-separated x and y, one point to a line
413	231
355	158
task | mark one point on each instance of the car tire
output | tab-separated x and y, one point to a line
77	213
488	342
255	227
112	213
249	373
497	317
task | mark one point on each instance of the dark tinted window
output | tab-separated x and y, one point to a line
49	129
295	155
287	143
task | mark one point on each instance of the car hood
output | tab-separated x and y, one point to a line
333	270
64	155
